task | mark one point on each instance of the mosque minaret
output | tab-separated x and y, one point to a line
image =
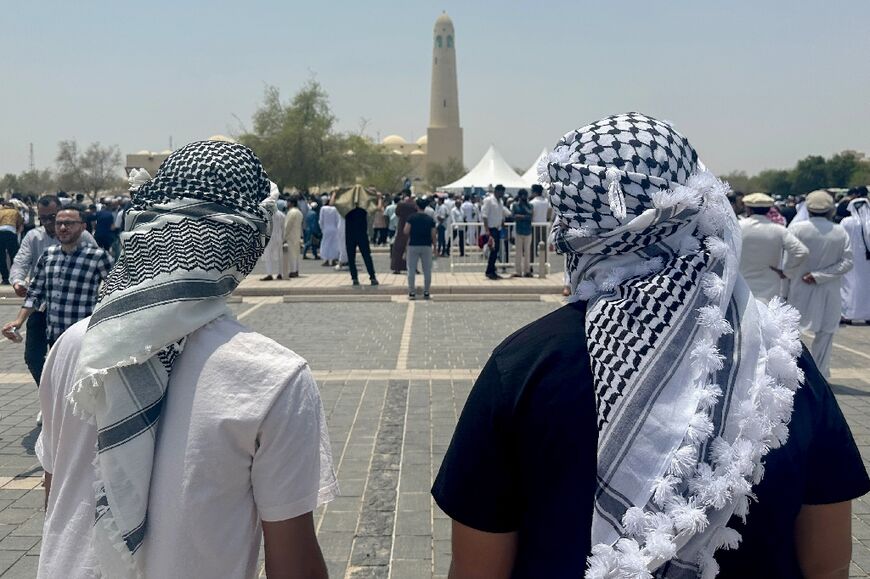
444	135
443	138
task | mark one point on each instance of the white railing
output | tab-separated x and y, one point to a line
475	256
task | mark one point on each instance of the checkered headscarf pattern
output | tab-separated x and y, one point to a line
208	201
218	171
625	330
643	154
652	244
68	285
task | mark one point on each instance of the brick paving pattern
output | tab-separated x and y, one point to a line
389	427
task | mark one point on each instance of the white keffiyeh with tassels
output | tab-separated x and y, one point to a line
694	378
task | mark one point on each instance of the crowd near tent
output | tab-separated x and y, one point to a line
491	170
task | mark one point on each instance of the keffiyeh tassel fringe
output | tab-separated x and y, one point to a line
615	195
105	520
691	487
82	397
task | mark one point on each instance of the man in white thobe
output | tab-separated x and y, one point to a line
815	290
342	242
273	254
329	222
856	283
293	239
770	253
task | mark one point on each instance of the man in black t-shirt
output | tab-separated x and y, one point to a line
665	423
420	231
521	465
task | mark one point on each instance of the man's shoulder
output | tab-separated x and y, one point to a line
559	332
65	354
93	251
232	346
33	236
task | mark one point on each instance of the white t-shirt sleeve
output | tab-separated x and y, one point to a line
45	443
292	472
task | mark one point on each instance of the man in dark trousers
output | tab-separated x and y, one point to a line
492	212
404	209
354	204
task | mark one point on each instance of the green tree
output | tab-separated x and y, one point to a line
371	164
739	181
8	184
809	174
776	182
91	172
841	167
861	175
295	141
438	175
36	182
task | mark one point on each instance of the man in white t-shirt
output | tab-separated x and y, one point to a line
174	436
492	213
541	213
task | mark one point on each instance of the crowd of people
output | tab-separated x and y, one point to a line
797	251
666	422
334	236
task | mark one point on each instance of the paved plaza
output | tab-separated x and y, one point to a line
394	376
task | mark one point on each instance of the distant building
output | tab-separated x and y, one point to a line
444	133
151	160
443	138
148	160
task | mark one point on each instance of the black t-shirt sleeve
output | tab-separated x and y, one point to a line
835	470
476	483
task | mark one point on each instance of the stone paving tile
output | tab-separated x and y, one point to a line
336	336
458	335
388	434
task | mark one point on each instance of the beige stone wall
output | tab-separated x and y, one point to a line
150	162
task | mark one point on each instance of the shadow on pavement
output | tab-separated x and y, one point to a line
29	440
848	390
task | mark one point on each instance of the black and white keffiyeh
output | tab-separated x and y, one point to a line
694	378
194	232
860	210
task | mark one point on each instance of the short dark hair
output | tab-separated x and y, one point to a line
861	191
499	187
422	202
76	209
522	193
537	188
47	200
759	210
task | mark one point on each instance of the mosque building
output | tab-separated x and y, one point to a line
443	138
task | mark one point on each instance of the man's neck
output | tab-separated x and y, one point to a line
70	247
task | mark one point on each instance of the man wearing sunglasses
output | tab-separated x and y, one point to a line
33	245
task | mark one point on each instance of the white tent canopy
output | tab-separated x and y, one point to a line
492	170
531	176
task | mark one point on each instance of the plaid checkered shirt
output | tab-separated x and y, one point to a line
68	285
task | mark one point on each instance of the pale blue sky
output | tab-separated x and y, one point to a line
752	84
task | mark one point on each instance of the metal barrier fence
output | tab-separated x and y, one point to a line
466	251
